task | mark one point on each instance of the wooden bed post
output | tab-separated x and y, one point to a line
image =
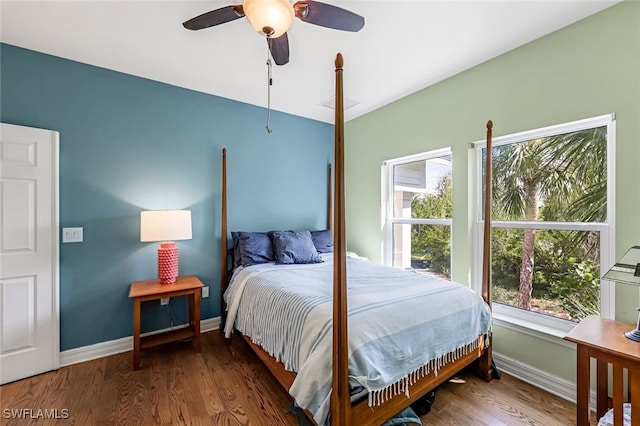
340	398
223	241
485	363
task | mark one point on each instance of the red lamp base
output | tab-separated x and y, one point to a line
167	263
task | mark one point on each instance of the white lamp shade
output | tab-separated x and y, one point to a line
627	269
275	14
165	225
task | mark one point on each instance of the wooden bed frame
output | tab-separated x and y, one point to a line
342	410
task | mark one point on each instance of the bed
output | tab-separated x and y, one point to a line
407	332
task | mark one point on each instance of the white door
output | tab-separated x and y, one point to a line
29	331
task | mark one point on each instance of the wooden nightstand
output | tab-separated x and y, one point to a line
141	291
603	340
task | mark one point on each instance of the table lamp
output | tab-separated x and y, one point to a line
166	226
627	271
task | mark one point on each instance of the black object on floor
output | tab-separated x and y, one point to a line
496	373
300	416
423	405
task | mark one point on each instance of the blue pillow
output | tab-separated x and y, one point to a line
253	248
294	247
323	241
237	261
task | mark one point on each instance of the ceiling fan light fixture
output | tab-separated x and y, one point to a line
270	18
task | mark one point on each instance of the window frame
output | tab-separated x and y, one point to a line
388	220
542	325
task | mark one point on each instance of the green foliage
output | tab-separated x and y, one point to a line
437	205
568	171
555	255
579	290
433	242
438	239
504	296
506	258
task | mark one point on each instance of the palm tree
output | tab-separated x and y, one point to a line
565	171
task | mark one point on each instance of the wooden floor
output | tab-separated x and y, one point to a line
227	385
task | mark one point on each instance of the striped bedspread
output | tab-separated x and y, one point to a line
402	325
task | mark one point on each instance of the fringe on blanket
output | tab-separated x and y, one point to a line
377	397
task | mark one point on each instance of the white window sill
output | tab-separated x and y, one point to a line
533	324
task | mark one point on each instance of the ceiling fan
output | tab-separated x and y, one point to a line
272	18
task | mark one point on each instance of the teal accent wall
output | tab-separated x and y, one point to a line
129	144
585	70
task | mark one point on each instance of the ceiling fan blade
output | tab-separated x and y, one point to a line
215	17
279	48
327	15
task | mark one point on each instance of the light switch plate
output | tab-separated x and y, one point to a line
72	235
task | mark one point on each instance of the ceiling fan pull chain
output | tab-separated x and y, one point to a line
269	83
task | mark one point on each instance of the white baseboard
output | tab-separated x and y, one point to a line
544	380
113	347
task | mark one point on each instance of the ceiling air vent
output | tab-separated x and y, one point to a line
331	103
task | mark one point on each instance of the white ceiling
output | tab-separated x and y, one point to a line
404	46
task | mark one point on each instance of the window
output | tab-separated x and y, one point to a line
552	206
417	212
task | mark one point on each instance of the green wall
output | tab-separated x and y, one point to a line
587	69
